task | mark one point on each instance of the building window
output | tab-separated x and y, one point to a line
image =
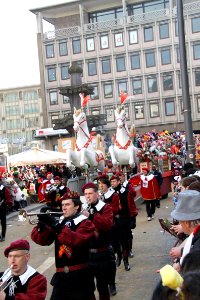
167	82
198	103
148	6
53	97
63	48
164	30
106	15
152	84
76	45
179	80
64	71
66	100
176	28
95	111
150	59
154	110
133	37
108	90
119	40
49	51
92	68
106	68
122	86
95	94
139	111
13	110
104	43
32	108
110	114
51	74
90	44
137	86
165	56
177	54
135	61
148	34
120	63
197	77
195	24
196	51
169	107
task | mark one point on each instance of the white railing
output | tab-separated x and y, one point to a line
100	26
62	33
150	16
192	7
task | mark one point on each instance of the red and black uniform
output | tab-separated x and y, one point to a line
72	279
150	193
101	253
5	202
29	286
126	214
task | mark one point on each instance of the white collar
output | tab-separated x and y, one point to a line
147	178
23	278
99	205
109	193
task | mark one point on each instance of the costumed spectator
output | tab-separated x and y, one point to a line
108	195
5	202
22	281
159	179
132	193
43	191
127	216
150	192
71	235
187	212
101	252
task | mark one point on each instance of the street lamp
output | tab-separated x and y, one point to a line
190	146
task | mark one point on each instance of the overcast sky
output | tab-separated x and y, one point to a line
18	52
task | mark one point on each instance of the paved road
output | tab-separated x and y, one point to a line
151	249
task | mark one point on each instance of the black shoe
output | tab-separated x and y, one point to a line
3	239
112	289
158	206
126	265
130	254
118	261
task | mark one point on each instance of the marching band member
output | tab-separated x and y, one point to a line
101	253
71	235
108	195
20	281
127	216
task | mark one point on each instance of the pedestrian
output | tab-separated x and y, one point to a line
21	281
5	203
150	192
101	252
108	195
187	212
71	235
159	179
126	216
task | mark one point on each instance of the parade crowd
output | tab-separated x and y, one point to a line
92	239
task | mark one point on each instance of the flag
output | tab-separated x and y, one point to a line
84	99
124	97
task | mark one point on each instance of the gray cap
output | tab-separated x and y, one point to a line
188	206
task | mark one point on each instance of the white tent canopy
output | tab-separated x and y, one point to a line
36	156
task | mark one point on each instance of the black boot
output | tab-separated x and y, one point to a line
126	264
112	289
119	259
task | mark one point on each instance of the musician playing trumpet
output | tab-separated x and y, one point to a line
71	235
20	281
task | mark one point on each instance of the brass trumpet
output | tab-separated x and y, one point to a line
5	283
23	215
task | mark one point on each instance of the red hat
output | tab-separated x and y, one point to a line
103	176
17	245
120	173
70	195
49	173
114	177
89	185
145	169
57	178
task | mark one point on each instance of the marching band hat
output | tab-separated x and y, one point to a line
114	177
120	173
57	178
89	185
188	206
70	195
102	176
145	169
17	245
49	173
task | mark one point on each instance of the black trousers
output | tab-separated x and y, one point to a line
3	222
150	207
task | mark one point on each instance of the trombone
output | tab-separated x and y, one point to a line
33	220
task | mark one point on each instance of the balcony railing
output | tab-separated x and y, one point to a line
189	8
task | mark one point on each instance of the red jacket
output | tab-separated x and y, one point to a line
149	187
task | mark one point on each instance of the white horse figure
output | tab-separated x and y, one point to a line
123	152
84	155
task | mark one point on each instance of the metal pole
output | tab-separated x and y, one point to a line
185	86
